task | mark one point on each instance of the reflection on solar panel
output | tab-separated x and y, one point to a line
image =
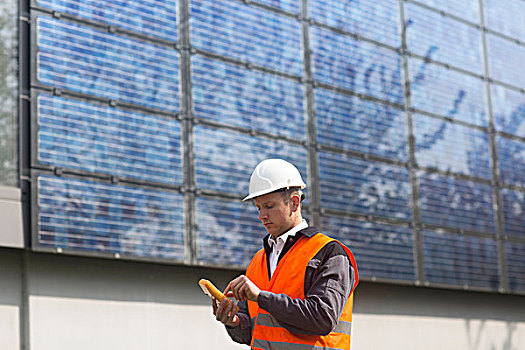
102	139
78	214
356	65
391	128
236	96
460	260
456	203
511	155
229	233
363	187
381	250
376	20
286	5
507	62
354	124
221	167
509	110
266	39
466	9
506	18
451	147
446	92
90	61
443	39
514	211
152	17
515	253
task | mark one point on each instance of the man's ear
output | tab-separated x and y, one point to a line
295	201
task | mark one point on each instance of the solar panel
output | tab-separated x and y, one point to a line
151	17
224	160
466	9
75	214
363	187
286	5
376	20
95	138
514	212
509	110
356	65
508	60
506	18
515	253
351	123
441	38
229	232
460	260
451	147
266	39
454	203
237	96
442	91
511	157
90	61
381	250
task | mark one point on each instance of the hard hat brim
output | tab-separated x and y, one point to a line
271	190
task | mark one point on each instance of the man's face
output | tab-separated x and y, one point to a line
275	214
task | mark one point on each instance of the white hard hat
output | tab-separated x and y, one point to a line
271	175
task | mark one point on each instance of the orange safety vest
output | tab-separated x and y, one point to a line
288	278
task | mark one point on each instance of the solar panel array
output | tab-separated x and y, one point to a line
406	119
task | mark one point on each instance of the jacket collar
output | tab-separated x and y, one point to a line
308	232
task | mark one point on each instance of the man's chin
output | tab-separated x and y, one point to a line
270	230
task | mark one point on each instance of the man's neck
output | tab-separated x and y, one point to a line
296	223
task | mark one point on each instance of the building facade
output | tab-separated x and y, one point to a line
130	129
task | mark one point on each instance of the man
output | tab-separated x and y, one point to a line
298	290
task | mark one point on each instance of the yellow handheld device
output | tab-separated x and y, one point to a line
210	290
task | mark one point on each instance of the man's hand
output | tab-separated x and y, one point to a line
242	289
225	312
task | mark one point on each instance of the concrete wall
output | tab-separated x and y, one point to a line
10	298
11	217
81	303
53	302
398	317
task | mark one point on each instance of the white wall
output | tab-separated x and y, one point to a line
11	217
83	303
423	318
10	299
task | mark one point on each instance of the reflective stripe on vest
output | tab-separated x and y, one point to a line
268	320
288	279
272	345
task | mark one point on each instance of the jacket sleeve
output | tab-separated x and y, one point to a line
243	332
328	281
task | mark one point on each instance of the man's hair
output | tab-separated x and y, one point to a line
288	192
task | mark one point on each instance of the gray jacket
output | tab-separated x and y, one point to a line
328	281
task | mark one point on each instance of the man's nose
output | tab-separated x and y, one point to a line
262	214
